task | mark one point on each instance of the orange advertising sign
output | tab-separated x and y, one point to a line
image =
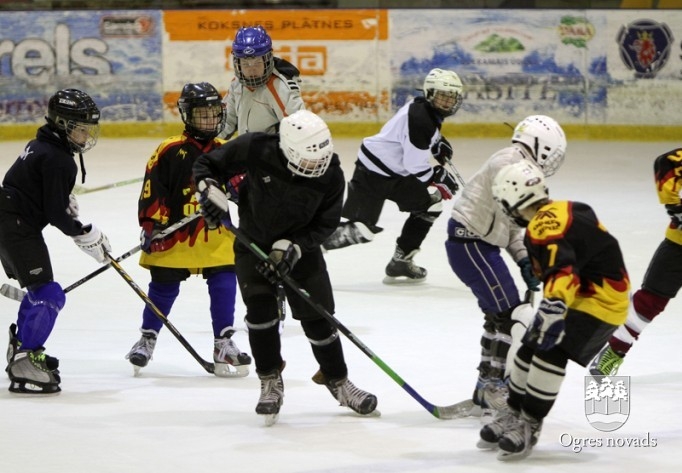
221	25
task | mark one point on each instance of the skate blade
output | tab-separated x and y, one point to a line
225	370
270	419
30	389
484	445
374	413
401	281
509	456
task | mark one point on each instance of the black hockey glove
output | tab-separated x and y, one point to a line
675	212
213	202
547	328
281	260
442	151
444	182
532	282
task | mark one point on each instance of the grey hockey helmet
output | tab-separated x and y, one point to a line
75	116
443	90
546	140
517	186
306	142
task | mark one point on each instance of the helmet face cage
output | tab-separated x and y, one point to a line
443	90
546	140
307	144
252	56
516	187
202	110
75	116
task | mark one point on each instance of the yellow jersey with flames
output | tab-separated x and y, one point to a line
168	195
579	261
668	176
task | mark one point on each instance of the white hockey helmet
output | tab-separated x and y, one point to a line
517	186
546	140
443	90
306	142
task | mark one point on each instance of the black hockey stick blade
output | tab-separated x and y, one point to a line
207	365
441	412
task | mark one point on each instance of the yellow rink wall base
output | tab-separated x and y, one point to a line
359	130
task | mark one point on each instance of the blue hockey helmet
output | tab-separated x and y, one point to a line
252	56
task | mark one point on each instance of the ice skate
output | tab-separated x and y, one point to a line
607	362
14	345
401	269
230	362
29	374
271	396
347	234
349	395
491	432
518	440
141	353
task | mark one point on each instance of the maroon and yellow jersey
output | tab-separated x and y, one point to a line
168	195
668	176
579	261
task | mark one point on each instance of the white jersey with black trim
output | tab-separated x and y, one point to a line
261	109
480	214
403	146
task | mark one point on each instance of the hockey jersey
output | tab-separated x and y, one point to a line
168	195
667	173
579	261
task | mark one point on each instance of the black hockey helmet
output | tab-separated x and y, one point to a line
75	116
202	110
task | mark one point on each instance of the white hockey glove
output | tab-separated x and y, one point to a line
213	202
281	260
94	243
72	209
547	328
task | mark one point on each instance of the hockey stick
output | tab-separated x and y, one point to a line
17	294
441	412
85	190
207	365
451	167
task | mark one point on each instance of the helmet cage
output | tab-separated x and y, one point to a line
251	43
443	90
518	186
546	140
75	116
306	143
202	111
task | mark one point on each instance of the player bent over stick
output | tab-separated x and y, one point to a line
291	203
585	298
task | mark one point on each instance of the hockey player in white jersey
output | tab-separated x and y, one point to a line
265	88
394	165
478	230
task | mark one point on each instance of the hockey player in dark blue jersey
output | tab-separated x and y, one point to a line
36	192
394	165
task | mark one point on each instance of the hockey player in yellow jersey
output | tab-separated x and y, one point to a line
168	195
585	298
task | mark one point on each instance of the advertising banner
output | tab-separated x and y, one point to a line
115	56
343	55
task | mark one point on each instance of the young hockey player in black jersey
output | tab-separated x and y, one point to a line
291	203
585	298
168	195
394	165
36	192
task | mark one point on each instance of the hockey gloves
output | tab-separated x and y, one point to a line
444	182
72	209
282	258
532	282
675	212
94	243
213	202
442	151
547	329
233	187
149	243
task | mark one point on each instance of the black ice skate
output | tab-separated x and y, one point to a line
271	396
347	234
349	395
29	374
141	353
401	269
518	440
492	432
230	362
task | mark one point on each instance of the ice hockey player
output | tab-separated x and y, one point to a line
584	299
478	231
394	165
663	277
168	195
291	204
36	192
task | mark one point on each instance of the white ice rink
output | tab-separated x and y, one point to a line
176	417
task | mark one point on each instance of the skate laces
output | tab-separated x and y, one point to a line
144	346
349	394
271	388
609	362
225	349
